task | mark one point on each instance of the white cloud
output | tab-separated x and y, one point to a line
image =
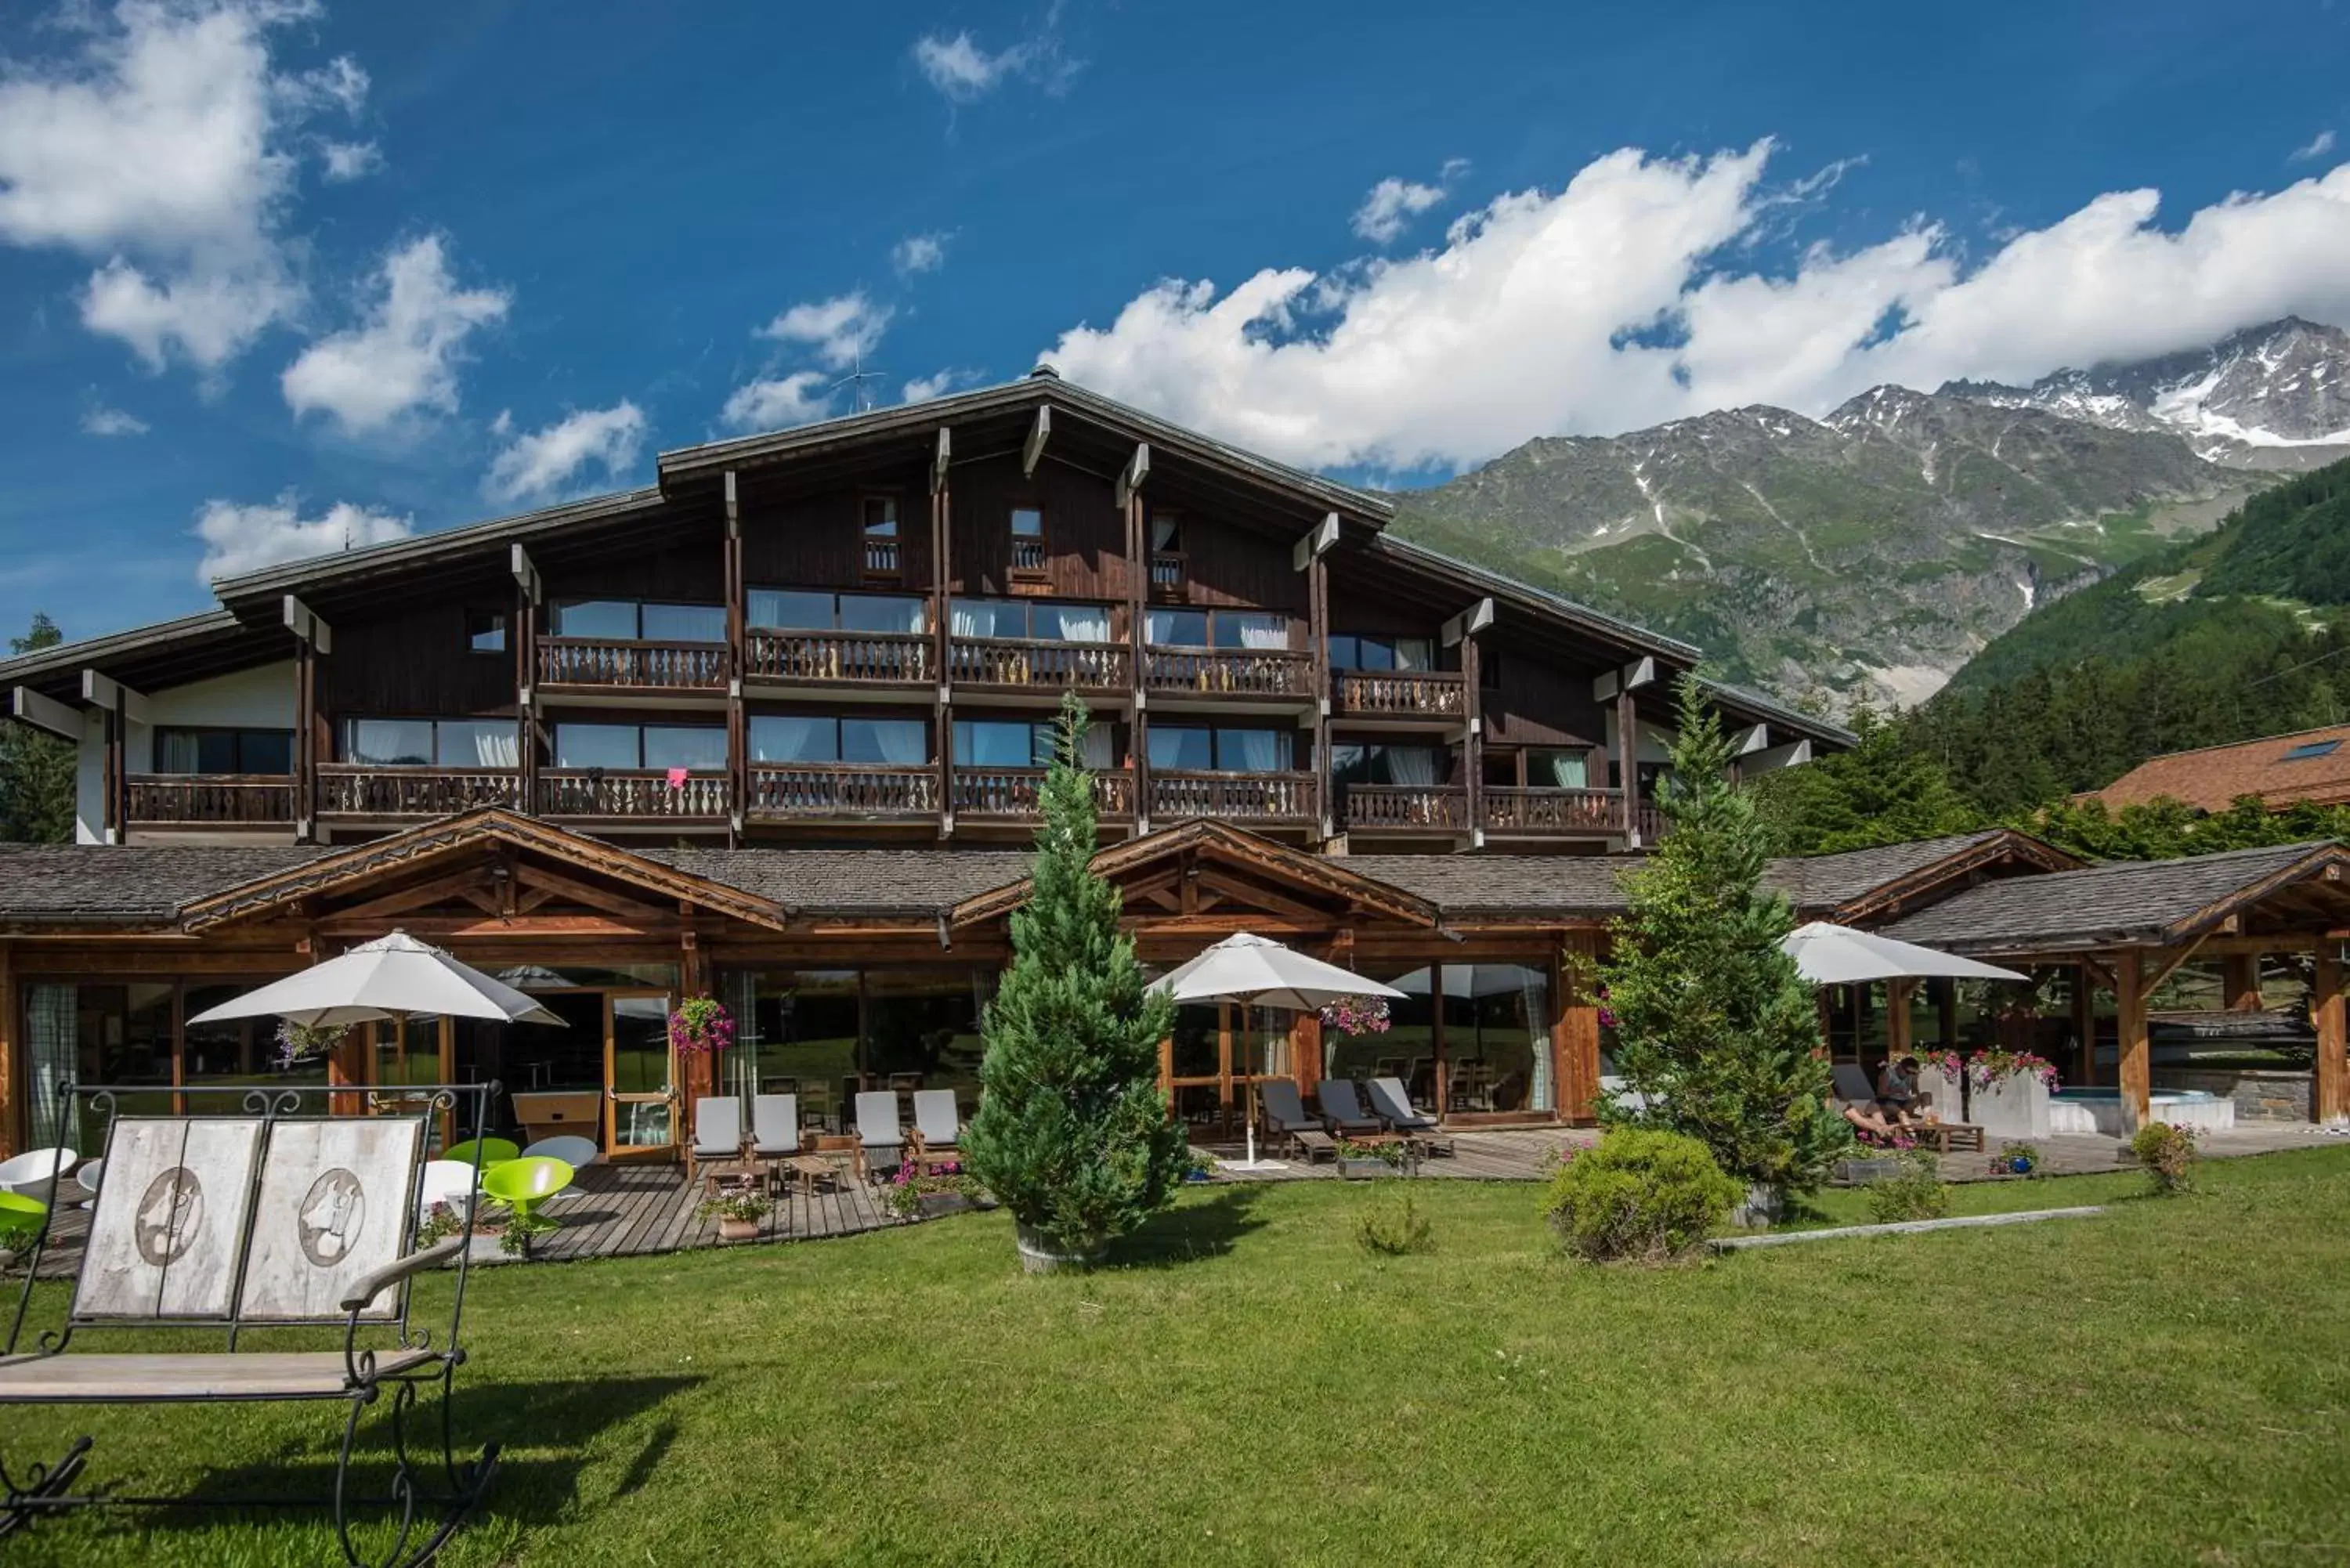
964	72
404	356
801	398
239	539
551	463
348	161
923	389
1626	298
102	420
841	330
161	144
2317	146
919	253
1393	202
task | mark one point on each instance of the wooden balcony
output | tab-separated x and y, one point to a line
362	790
633	796
1573	811
1408	809
1400	694
1011	794
1233	797
1035	665
211	800
1169	571
788	792
1229	671
841	657
608	664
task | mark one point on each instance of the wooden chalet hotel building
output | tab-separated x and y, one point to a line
771	729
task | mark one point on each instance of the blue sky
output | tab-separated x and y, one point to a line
293	274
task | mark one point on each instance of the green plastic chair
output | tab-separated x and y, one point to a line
20	1218
486	1153
522	1185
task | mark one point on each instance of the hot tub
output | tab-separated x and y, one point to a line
2099	1110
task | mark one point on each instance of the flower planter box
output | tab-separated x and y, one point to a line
933	1204
2014	1107
1860	1172
1365	1169
738	1229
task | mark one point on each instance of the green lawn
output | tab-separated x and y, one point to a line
2169	1383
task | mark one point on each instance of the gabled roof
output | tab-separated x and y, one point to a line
364	863
1331	877
853	883
193	646
2312	765
1856	883
132	885
2140	903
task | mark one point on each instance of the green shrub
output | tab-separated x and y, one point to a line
2169	1155
1392	1227
1915	1193
1640	1195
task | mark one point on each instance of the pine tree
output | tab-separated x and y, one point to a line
1073	1134
36	769
1716	1032
1885	790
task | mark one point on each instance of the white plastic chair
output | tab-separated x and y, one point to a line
573	1150
449	1181
37	1172
86	1178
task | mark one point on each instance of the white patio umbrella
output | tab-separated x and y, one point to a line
389	977
1256	972
1829	954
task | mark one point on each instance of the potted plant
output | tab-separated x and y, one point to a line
699	1031
299	1043
738	1210
945	1191
486	1237
2016	1158
1363	1161
2008	1093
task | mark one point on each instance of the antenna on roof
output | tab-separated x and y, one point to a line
855	381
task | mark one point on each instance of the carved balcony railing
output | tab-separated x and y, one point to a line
1168	568
841	657
222	800
1233	797
1438	808
1028	556
632	795
1012	794
1510	810
882	557
614	663
789	790
1649	821
1408	694
1244	671
1040	665
358	789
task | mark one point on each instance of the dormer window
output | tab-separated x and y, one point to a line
880	523
1028	542
1168	565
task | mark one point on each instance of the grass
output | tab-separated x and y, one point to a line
2169	1383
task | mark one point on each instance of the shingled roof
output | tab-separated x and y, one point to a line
878	882
2283	770
2123	904
133	884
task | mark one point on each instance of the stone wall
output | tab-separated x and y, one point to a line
2261	1094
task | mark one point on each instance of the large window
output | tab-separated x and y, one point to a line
1186	749
1350	651
633	620
789	738
803	609
827	1034
1023	743
1215	628
1042	621
1497	1036
1407	1051
192	751
695	747
1027	539
1551	768
431	742
1386	764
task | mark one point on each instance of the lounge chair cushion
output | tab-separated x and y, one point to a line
776	1125
936	1120
717	1126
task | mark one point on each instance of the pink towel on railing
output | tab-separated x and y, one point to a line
677	778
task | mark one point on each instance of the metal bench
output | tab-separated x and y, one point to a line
263	1218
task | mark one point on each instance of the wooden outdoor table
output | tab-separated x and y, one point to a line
717	1174
808	1170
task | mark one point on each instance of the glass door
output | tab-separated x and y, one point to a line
639	1082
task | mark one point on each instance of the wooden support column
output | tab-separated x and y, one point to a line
738	741
314	640
2137	1078
1462	628
2329	1089
1899	1041
529	592
12	1057
2240	978
1575	1031
1317	628
1137	579
1945	1013
2084	1024
1628	763
942	626
1305	1051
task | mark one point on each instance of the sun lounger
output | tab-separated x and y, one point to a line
774	1125
938	1126
878	1131
1286	1123
1342	1113
1392	1105
717	1132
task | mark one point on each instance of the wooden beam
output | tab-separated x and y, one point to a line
2136	1054
29	707
586	893
2240	980
2084	1022
489	928
1317	541
11	1140
1032	451
421	896
525	571
306	626
1574	1032
2329	1089
941	460
2171	968
1260	896
105	692
1749	741
1131	477
734	508
1468	623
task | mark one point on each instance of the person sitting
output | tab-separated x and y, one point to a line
1898	1097
1869	1122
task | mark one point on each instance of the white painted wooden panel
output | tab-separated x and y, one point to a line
335	1201
169	1224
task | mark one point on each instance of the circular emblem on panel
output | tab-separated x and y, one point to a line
170	1212
332	1212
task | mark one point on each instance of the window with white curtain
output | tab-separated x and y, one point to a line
684	623
596	746
806	609
699	747
1175	627
429	742
1556	769
791	609
883	612
788	738
990	618
1184	749
1237	629
1003	744
631	620
1072	623
892	743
